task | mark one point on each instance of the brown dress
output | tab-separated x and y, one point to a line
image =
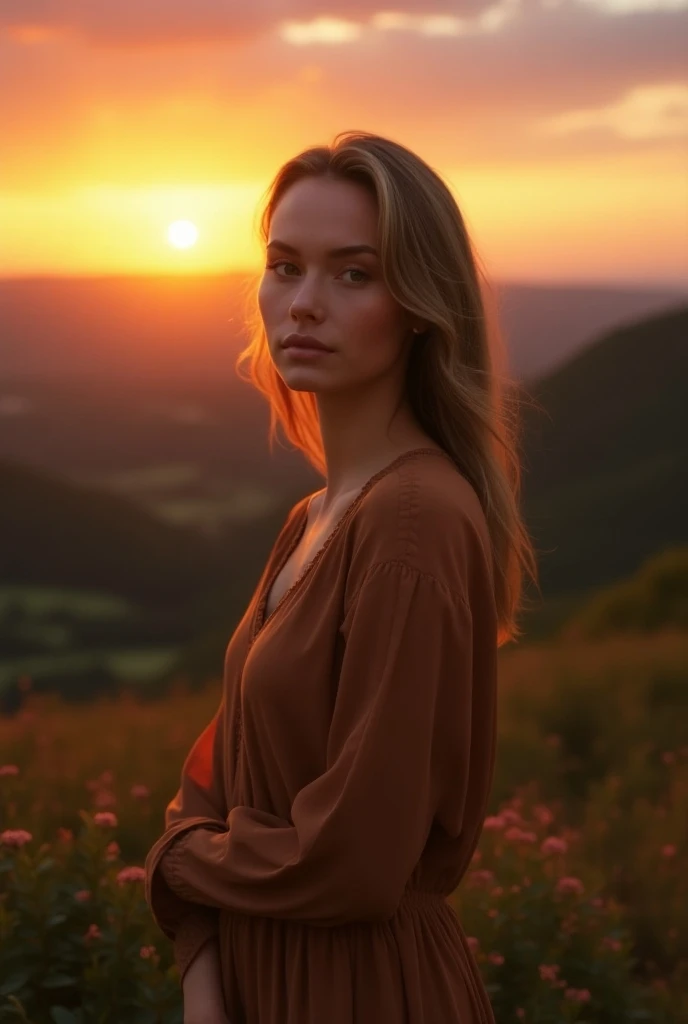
338	794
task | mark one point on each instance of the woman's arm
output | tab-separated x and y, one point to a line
195	931
202	987
200	801
411	740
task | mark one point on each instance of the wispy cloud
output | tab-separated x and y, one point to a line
166	22
489	79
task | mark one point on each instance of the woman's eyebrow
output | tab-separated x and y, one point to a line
345	250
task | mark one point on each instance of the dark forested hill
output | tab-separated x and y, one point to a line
59	533
606	467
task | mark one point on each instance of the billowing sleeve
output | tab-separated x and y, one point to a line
199	802
399	753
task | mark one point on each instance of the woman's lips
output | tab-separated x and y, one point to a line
307	352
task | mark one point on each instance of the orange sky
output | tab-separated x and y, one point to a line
562	127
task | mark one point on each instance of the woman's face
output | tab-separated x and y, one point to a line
341	300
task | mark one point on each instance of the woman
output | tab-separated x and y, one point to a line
338	795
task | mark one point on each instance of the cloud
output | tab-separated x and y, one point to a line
530	80
136	22
183	22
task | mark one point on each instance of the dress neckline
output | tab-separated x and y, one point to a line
259	621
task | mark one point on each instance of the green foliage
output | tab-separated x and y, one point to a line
552	945
656	597
77	942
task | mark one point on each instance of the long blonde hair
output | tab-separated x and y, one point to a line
452	385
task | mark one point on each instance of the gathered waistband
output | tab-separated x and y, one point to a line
422	897
411	898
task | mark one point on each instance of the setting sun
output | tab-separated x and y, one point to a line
182	234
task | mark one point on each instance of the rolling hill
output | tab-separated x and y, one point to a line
606	469
605	485
57	533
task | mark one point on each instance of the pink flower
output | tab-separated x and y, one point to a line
543	815
497	891
15	837
105	798
105	818
548	972
611	943
112	851
518	835
473	943
147	951
569	884
483	876
510	816
495	958
494	822
107	777
140	792
65	835
577	995
132	874
92	933
669	850
9	769
552	844
82	895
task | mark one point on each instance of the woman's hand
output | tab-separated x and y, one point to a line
202	988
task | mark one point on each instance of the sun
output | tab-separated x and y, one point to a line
182	234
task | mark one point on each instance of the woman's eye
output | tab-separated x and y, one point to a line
349	270
283	263
355	270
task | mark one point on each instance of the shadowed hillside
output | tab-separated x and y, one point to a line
605	488
60	533
606	469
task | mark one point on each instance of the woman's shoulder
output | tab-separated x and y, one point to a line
427	489
425	515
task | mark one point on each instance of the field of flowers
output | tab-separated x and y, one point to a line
576	904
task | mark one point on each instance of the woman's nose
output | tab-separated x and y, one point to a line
307	301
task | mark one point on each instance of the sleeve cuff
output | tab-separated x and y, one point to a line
170	867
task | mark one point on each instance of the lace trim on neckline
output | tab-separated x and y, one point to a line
259	621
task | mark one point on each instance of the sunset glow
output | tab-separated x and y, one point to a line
569	168
182	234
